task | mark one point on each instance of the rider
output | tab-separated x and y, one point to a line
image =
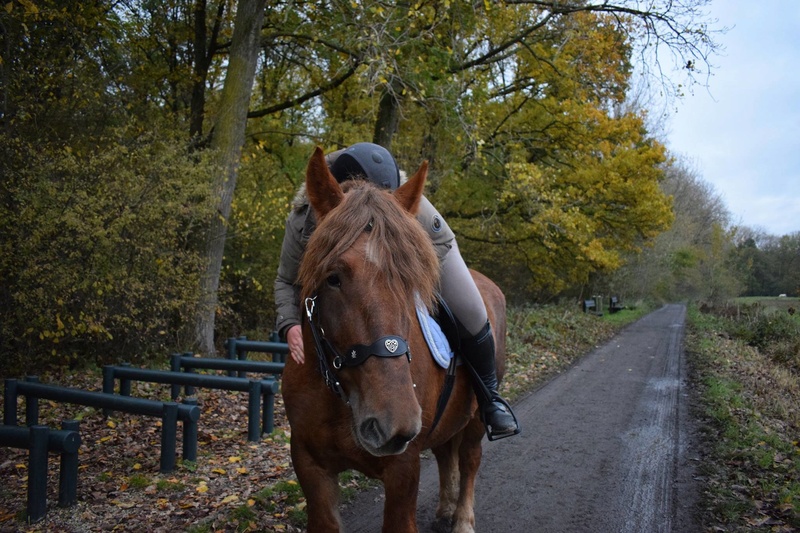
374	163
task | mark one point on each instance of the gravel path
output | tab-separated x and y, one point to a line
606	447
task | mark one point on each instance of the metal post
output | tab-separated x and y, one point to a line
276	357
242	356
188	390
68	475
190	435
31	405
231	345
253	408
37	473
108	385
10	402
125	384
175	366
169	432
268	412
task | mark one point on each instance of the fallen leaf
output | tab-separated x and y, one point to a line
231	498
123	505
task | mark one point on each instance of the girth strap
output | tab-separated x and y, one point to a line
450	376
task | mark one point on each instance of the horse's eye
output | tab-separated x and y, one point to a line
334	281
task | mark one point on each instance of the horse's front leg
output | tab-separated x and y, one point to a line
449	483
321	489
401	484
469	460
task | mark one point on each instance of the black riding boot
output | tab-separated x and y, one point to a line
496	414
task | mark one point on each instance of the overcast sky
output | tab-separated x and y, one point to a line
742	135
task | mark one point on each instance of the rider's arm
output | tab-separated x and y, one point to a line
287	292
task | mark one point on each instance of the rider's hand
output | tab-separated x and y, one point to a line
294	338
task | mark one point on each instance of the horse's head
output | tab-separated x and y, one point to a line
365	265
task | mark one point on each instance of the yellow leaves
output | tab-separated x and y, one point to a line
202	487
30	7
229	499
123	505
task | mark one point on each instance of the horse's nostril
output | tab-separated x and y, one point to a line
400	440
371	431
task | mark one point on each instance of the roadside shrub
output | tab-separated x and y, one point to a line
103	250
768	328
786	353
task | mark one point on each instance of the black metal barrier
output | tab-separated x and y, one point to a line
39	440
255	389
189	363
169	412
614	305
239	347
593	305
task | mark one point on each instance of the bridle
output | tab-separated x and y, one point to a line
388	346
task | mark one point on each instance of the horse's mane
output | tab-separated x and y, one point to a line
397	246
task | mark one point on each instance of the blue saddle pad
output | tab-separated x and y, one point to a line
435	337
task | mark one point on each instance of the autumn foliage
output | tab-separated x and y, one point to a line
109	111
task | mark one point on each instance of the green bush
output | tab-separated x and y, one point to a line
101	250
773	327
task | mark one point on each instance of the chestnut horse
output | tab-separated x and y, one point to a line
365	265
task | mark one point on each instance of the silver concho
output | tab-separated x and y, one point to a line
391	345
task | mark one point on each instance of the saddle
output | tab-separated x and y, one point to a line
440	331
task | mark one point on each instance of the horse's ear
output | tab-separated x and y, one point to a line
324	192
410	192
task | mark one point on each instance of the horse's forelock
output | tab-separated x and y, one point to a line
397	245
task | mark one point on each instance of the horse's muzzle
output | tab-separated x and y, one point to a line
380	440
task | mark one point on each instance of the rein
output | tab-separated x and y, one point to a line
388	346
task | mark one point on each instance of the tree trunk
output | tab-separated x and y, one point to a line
228	139
387	120
204	47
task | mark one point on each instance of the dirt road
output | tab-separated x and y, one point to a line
605	447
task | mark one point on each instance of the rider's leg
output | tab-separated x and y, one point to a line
477	343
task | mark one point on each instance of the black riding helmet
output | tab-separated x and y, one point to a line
370	160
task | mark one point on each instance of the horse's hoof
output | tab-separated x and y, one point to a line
442	525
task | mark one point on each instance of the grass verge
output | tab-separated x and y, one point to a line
750	402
